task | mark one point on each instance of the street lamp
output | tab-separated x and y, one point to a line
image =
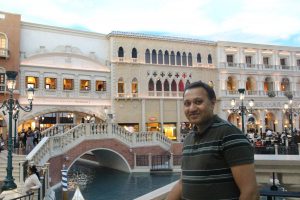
242	109
288	107
12	105
15	117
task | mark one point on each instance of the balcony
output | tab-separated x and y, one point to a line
258	93
261	67
4	53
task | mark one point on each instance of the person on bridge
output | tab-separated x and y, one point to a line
217	158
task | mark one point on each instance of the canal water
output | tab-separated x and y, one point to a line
109	184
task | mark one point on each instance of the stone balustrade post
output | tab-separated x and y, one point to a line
299	148
51	146
88	129
154	137
21	175
133	135
150	160
47	178
109	128
276	149
134	160
171	161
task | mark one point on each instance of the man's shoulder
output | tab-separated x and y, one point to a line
219	122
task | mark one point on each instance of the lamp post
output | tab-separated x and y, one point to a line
13	105
242	108
288	107
16	116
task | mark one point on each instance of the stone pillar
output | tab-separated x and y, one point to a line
178	125
161	114
171	161
297	122
134	160
143	125
150	160
279	127
262	121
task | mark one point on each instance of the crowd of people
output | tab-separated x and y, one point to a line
270	138
25	140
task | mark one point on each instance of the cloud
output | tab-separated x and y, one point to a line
246	20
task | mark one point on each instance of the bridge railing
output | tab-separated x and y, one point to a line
56	129
56	144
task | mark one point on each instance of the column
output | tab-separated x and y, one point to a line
262	124
143	125
178	125
259	57
161	115
280	120
297	122
242	82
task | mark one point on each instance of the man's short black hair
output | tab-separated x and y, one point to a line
199	84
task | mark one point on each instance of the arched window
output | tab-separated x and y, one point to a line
178	58
160	57
209	59
250	84
166	85
184	59
147	56
154	57
134	53
158	86
285	84
198	58
172	58
190	60
181	86
134	86
3	45
231	84
166	58
268	84
121	86
151	85
173	86
120	52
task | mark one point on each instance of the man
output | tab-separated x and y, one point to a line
217	159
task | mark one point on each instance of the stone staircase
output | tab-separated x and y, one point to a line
18	160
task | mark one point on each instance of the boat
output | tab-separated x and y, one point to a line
77	195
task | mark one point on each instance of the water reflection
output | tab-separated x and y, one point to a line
105	183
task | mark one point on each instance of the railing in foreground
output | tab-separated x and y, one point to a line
161	193
25	197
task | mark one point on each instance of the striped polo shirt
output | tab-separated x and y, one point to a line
207	157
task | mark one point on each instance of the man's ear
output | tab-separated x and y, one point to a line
213	101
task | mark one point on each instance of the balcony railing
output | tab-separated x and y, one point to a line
260	93
258	66
4	53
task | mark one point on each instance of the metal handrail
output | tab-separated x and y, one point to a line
25	197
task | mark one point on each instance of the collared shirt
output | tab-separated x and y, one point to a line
208	155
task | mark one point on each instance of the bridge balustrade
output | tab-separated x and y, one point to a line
56	144
56	129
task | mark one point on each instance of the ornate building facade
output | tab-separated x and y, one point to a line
137	80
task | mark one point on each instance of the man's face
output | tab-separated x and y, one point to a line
198	109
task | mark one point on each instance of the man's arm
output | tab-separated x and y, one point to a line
175	193
245	178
